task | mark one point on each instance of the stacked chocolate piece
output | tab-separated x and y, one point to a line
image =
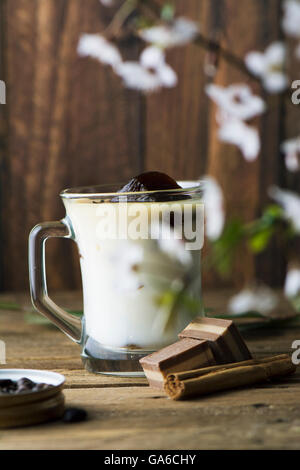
204	342
210	356
186	354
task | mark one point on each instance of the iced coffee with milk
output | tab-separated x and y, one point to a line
140	255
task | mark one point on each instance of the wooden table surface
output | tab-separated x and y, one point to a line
127	414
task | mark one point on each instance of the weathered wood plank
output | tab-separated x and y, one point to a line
124	412
3	131
225	162
45	347
176	119
181	130
138	418
70	123
70	119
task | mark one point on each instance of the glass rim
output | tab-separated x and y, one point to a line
80	192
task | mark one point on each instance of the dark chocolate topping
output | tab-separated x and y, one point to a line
150	181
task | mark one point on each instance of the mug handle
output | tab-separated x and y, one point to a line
68	323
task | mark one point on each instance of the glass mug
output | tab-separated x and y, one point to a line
140	259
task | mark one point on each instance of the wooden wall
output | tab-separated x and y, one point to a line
69	121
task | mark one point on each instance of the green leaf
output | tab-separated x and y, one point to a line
250	314
260	240
267	323
167	12
273	323
260	231
208	310
223	249
192	305
167	299
273	212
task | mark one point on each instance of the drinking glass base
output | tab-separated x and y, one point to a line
120	362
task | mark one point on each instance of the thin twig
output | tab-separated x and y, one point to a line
129	6
213	46
120	18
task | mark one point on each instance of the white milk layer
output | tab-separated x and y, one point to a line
118	315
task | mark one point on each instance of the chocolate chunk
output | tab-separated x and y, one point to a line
186	354
74	415
150	181
224	338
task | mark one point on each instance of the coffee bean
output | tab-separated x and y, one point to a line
7	386
25	382
6	383
23	385
74	415
23	389
41	386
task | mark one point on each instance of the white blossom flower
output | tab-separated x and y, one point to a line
236	100
292	282
235	131
290	203
150	73
152	57
136	76
97	47
291	150
168	76
237	104
257	298
214	208
180	32
269	66
291	18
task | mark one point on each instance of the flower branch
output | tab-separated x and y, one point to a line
158	27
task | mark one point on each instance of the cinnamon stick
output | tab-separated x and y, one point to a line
213	379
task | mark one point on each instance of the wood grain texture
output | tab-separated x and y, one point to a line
291	130
181	130
69	121
226	163
176	135
124	412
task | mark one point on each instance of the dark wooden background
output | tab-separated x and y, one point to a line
69	121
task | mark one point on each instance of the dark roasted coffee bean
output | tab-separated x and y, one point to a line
41	386
74	415
24	382
7	386
23	389
6	382
23	385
